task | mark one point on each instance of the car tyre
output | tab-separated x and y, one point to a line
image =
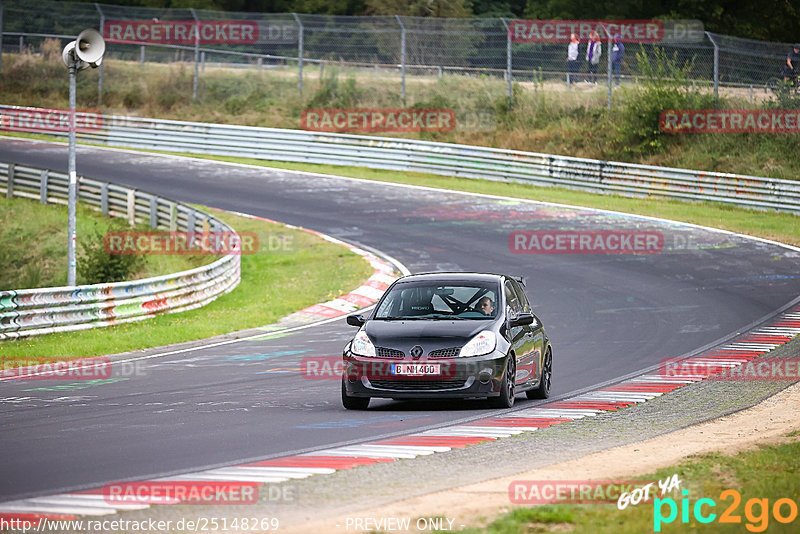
353	403
543	390
507	386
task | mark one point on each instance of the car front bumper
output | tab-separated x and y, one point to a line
470	377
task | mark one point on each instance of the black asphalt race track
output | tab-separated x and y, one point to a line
607	314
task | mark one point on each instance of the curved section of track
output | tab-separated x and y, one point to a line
608	316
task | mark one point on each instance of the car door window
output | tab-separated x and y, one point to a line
512	301
523	298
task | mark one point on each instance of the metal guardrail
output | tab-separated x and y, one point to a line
442	158
39	311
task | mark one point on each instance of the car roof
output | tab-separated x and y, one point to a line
453	277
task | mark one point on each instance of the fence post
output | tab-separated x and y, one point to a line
196	53
1	36
402	59
21	44
10	183
141	54
508	61
202	61
608	52
43	186
716	70
100	72
300	31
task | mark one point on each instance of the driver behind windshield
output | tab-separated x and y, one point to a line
486	306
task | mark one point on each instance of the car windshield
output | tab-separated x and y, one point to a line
432	301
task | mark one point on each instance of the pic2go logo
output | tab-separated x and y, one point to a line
756	511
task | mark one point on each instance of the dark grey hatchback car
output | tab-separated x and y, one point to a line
448	335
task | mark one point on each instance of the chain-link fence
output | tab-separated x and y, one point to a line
397	48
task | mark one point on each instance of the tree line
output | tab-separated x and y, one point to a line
778	20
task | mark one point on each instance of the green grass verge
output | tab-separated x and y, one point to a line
302	271
766	473
34	245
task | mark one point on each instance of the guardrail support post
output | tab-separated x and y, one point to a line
299	53
153	212
104	198
10	182
402	59
131	207
173	217
141	54
190	223
43	186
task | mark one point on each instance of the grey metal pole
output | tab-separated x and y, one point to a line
1	36
299	53
196	54
73	182
508	61
100	73
716	70
402	59
608	51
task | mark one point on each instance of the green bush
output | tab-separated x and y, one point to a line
96	266
333	94
665	86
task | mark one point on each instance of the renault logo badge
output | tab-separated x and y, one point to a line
416	352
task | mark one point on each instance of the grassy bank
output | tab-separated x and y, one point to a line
34	245
544	117
769	473
291	270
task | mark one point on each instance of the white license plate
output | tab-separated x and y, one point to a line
415	369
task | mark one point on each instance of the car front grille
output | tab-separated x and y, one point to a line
418	385
382	352
445	353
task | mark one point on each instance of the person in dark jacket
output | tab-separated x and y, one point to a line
617	53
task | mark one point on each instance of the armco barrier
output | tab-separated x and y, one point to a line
441	158
39	311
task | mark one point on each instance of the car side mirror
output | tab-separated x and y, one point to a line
356	320
523	319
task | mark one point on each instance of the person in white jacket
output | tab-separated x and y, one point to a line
593	52
572	59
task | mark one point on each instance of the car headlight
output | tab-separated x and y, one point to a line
362	346
483	343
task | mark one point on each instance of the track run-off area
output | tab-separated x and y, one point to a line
609	316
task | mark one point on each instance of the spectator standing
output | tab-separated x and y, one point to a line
572	59
617	53
593	53
792	66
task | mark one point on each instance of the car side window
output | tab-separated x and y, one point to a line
523	298
512	301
